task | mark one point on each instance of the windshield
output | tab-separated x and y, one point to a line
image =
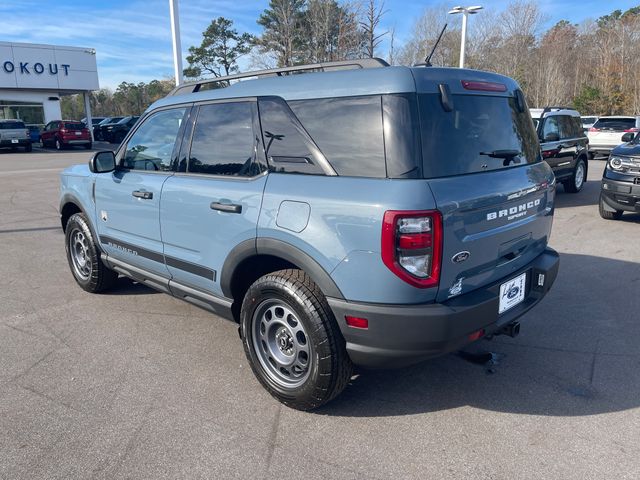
482	133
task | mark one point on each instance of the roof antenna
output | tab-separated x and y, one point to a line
427	61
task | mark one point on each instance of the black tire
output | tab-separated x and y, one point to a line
578	178
91	274
88	146
304	309
28	148
58	144
608	214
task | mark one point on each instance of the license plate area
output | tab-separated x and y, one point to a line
512	292
78	134
15	140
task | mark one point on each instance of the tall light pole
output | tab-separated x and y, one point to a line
175	37
465	11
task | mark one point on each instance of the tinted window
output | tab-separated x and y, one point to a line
287	146
550	127
151	146
74	126
11	125
224	142
567	129
459	141
402	136
615	124
588	120
348	131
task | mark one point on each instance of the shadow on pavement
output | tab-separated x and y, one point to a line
574	357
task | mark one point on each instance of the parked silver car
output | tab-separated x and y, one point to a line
14	133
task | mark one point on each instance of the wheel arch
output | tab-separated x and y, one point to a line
70	205
254	258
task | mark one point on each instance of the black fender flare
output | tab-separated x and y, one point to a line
280	249
69	198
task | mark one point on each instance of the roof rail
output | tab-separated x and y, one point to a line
193	87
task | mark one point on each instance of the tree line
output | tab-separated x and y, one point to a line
593	66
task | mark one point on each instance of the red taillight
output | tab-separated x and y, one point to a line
476	335
592	129
632	130
412	245
357	322
484	86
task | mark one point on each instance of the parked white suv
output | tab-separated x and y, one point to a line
607	132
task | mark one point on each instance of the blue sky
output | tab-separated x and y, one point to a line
133	37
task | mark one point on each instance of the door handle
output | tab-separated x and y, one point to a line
143	195
226	207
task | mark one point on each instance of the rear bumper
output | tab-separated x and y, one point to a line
400	335
621	195
22	142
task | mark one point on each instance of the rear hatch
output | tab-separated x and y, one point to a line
608	131
482	158
13	131
74	130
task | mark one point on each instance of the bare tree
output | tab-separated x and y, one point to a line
369	24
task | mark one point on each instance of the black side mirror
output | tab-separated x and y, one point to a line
552	137
627	137
103	162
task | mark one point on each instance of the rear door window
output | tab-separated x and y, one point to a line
615	124
223	141
482	133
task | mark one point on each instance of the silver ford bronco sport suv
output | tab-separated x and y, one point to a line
349	213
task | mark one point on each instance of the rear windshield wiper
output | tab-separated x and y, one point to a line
508	155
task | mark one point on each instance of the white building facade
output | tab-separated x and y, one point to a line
33	77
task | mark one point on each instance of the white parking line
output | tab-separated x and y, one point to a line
33	170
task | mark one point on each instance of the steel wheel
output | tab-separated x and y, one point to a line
281	343
80	255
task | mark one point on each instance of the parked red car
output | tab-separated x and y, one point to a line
65	133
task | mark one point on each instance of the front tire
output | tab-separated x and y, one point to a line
578	179
83	256
607	212
292	340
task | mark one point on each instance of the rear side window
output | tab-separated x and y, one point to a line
223	141
480	134
348	131
287	145
11	125
151	146
551	128
74	126
615	124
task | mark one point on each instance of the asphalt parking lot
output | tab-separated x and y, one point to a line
136	384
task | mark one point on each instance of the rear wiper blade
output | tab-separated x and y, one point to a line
501	153
508	155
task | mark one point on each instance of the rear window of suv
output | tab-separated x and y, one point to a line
615	124
462	141
11	125
74	126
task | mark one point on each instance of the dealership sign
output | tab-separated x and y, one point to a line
47	67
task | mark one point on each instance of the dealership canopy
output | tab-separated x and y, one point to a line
33	77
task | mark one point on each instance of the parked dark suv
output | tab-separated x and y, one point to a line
343	213
115	132
61	134
620	190
564	145
98	130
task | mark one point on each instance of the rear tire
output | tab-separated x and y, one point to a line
83	256
28	148
292	340
608	214
58	144
88	146
578	179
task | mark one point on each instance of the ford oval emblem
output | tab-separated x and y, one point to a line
513	292
460	257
